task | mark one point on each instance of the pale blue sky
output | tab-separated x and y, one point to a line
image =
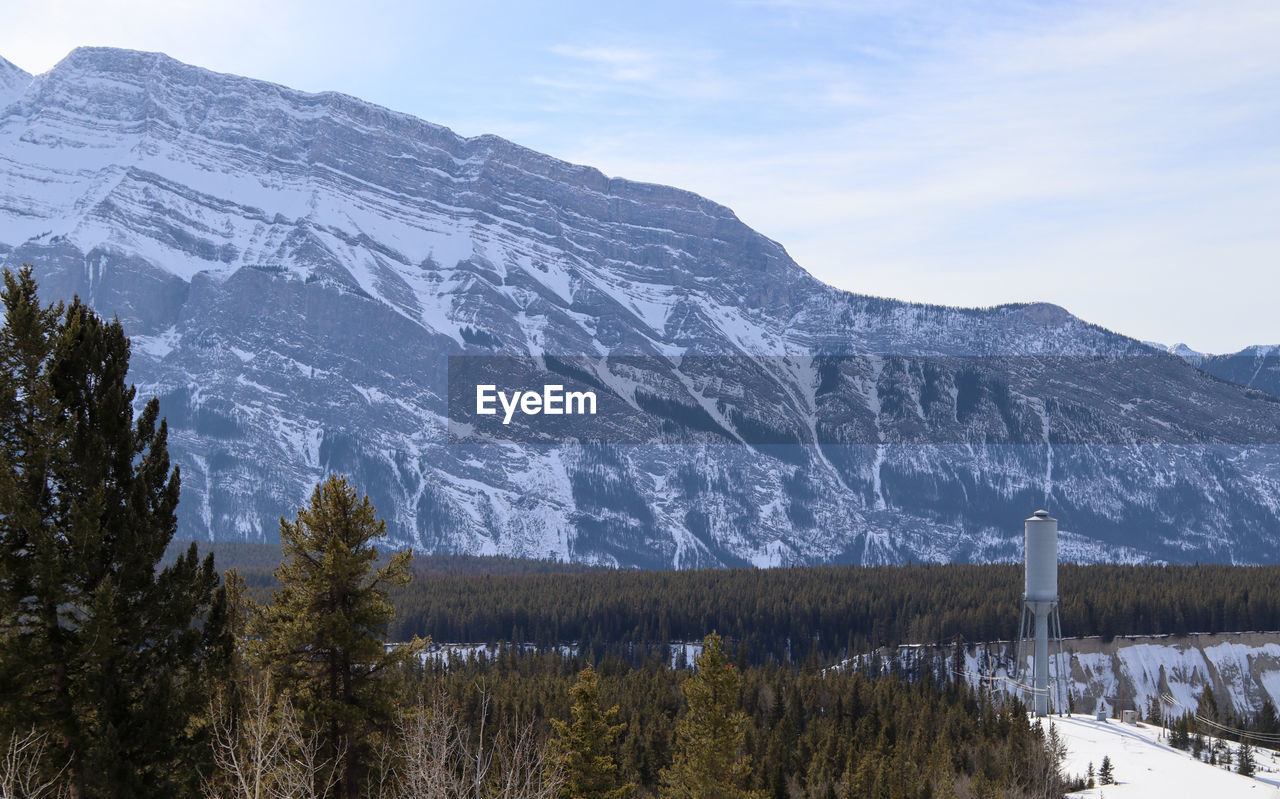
1120	159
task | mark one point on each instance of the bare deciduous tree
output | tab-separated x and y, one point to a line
435	759
246	749
525	768
22	770
263	752
306	773
432	752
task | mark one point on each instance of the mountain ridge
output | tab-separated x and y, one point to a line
102	57
296	271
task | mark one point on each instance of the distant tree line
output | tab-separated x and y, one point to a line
827	611
791	613
261	559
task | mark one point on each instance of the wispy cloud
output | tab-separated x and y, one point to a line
1106	158
625	65
675	72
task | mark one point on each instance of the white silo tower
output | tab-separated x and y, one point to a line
1040	618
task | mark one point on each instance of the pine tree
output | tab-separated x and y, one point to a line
586	745
1246	763
709	761
108	653
323	637
1106	773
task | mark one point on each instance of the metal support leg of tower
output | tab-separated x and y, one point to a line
1062	676
1041	656
1023	633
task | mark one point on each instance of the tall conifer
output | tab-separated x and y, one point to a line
108	652
1246	762
587	744
323	637
710	759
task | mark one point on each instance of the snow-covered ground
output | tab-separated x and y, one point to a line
1147	768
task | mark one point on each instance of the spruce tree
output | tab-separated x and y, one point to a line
710	761
1106	773
586	745
323	637
30	563
1246	763
102	649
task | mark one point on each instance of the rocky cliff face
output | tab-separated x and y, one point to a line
1241	670
297	271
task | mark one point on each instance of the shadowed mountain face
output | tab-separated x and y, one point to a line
297	272
1256	367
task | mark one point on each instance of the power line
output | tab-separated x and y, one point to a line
1263	737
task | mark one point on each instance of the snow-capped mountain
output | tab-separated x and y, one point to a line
1181	350
297	270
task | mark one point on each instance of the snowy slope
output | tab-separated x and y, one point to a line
295	271
1146	768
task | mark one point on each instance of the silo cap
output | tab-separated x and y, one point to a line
1042	515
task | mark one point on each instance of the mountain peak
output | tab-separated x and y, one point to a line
1046	313
98	58
1179	350
1183	351
13	80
